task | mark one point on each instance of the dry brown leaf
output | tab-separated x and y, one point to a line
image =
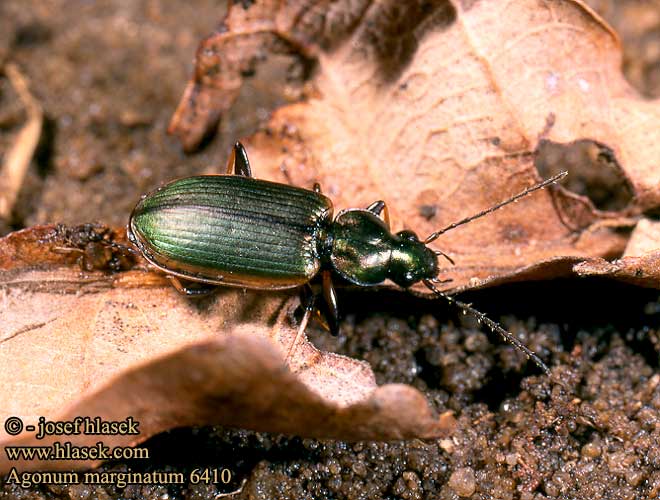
640	263
440	108
125	344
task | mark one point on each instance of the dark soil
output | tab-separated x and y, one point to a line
109	74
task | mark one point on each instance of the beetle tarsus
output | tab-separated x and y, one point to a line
202	290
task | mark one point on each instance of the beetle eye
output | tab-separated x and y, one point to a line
407	235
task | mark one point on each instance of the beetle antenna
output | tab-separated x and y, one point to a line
531	189
495	327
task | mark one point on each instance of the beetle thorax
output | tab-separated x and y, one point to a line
365	252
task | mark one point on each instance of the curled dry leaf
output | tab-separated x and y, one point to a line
640	263
445	108
126	344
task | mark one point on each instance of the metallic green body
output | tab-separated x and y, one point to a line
241	231
233	230
366	253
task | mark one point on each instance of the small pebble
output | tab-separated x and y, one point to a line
591	450
462	481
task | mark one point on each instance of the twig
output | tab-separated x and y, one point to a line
231	493
20	154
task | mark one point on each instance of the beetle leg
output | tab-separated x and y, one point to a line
317	188
440	253
238	163
380	206
309	308
82	261
438	281
308	301
65	250
231	161
330	296
328	312
202	291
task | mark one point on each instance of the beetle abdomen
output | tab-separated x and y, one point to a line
232	230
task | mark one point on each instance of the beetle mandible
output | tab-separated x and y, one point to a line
240	231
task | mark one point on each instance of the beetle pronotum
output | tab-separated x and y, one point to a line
236	230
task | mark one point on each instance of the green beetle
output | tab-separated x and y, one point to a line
240	231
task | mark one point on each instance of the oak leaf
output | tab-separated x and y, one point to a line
443	109
112	345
